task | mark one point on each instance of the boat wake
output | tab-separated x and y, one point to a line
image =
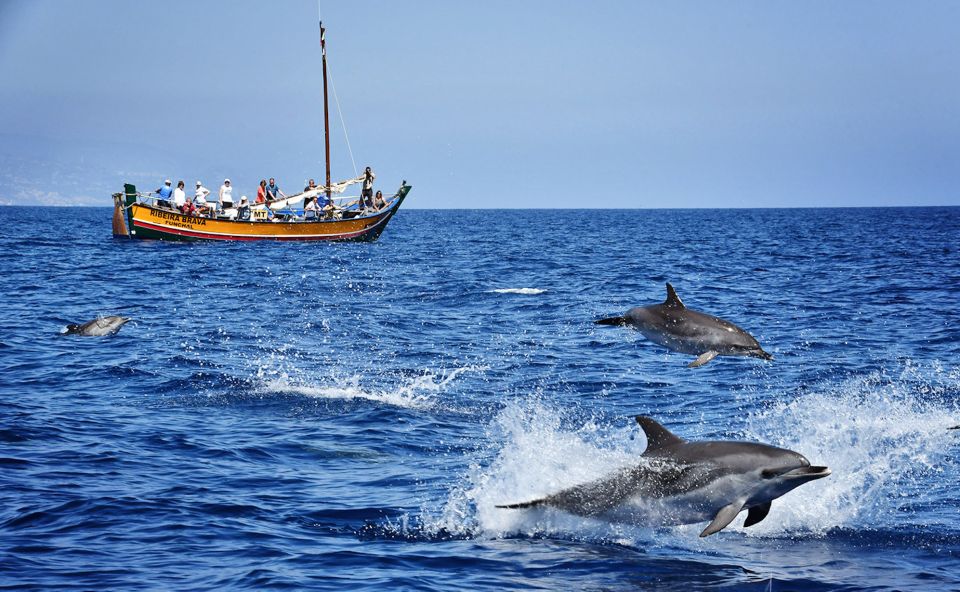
416	392
526	291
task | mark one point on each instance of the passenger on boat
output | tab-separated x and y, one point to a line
179	196
164	192
310	209
378	202
200	199
262	192
243	211
366	196
226	195
273	191
311	185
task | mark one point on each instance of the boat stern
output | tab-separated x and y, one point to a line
122	222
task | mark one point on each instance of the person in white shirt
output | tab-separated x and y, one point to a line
226	195
311	211
200	198
179	196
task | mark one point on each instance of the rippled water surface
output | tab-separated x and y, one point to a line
303	415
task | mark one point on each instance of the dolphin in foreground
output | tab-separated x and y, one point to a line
98	327
683	482
687	331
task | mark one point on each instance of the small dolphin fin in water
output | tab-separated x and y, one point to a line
672	298
723	518
702	359
619	321
757	514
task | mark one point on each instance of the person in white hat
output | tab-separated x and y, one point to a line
200	198
226	195
243	212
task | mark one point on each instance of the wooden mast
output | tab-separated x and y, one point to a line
326	110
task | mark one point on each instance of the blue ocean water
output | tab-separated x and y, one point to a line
286	416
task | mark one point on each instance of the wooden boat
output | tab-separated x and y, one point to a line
133	218
144	216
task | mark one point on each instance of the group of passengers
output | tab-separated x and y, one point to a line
315	207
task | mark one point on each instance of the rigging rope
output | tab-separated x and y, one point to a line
342	123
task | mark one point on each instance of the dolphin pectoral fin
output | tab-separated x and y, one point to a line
702	359
612	321
757	514
723	518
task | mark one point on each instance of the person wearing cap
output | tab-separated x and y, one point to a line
226	195
273	191
164	192
243	212
200	198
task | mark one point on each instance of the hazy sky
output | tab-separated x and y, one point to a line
489	104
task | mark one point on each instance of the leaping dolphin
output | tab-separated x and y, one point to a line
683	482
98	327
687	331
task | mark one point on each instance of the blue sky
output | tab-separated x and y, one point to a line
492	104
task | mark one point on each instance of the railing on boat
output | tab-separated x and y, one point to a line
287	214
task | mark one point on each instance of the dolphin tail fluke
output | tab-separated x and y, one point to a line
618	321
702	359
523	505
723	518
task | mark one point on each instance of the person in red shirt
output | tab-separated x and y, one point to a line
262	192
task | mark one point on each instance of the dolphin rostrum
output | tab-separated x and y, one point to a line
687	331
682	482
98	327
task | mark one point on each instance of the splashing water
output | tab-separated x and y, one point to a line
881	438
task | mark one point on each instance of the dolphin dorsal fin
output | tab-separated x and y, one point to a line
672	298
657	435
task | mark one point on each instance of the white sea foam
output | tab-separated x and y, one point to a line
528	291
883	439
537	457
417	392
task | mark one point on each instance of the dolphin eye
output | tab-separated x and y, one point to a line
768	473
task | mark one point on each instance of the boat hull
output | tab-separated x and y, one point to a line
152	223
